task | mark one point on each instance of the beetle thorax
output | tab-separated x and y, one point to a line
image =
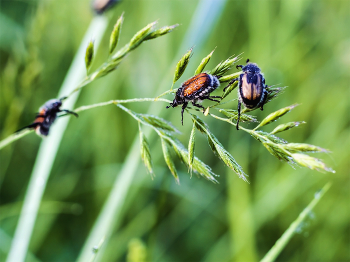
251	68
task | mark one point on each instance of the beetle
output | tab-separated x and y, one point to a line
47	115
100	6
252	91
195	89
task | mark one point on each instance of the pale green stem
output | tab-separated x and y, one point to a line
19	135
49	146
96	249
165	93
14	137
205	16
147	124
83	108
265	139
222	119
287	235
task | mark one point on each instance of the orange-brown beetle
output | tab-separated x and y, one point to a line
195	89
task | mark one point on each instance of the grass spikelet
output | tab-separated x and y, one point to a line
275	115
168	160
145	152
286	126
181	65
113	41
203	63
161	31
89	55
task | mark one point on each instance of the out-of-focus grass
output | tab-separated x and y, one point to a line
301	44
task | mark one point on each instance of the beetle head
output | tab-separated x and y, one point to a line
178	100
251	68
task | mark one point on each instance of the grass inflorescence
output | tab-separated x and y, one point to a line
292	153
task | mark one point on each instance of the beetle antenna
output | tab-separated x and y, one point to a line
247	61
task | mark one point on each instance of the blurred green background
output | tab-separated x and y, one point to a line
304	45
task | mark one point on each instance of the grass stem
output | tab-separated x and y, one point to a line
287	235
48	149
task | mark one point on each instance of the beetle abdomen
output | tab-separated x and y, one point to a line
195	83
251	90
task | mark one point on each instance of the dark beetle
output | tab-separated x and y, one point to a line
47	115
195	89
251	88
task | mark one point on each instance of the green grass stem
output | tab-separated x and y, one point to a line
49	146
111	102
287	235
14	137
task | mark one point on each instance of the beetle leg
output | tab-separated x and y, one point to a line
198	105
239	113
68	112
182	112
211	98
63	98
76	115
264	100
230	83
